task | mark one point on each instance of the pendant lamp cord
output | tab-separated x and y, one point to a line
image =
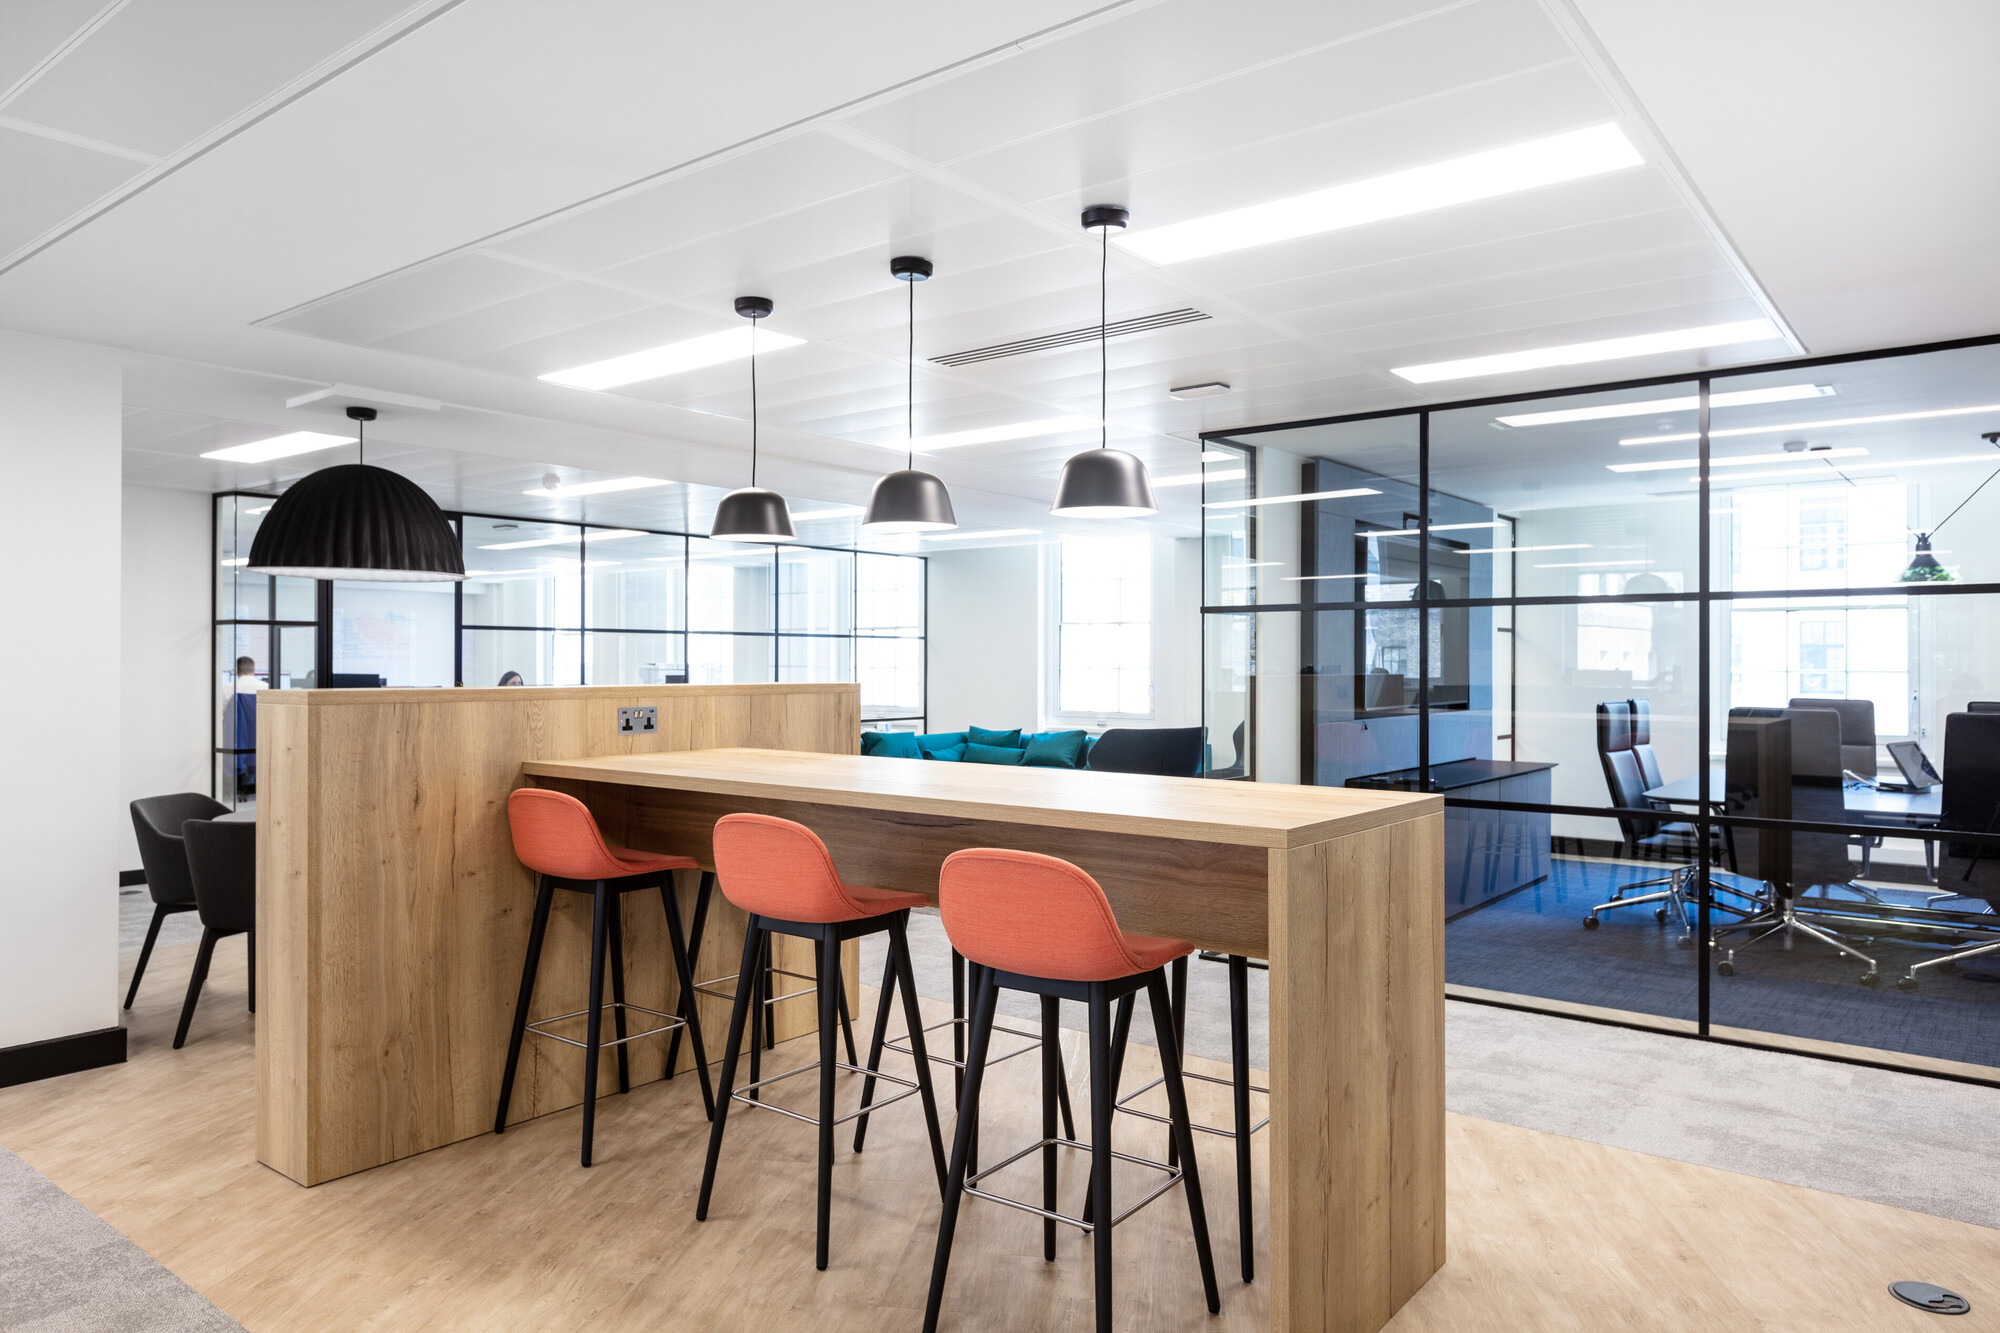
360	441
910	420
753	403
1104	338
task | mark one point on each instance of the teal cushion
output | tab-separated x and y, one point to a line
981	736
976	753
939	740
948	753
1055	749
891	744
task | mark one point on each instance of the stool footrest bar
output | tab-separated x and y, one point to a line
1174	1176
909	1087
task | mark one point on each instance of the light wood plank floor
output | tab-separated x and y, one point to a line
1546	1233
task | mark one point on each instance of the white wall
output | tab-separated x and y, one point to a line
59	690
985	630
167	603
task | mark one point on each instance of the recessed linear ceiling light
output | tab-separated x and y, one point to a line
1497	171
608	535
598	487
237	563
1315	578
1734	431
1212	389
1220	456
1019	430
1197	478
1889	464
278	446
1596	564
1252	564
1656	406
1576	354
711	349
1288	499
1741	460
1435	527
1510	550
991	532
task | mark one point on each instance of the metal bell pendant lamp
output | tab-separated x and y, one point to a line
1104	482
909	500
753	514
357	522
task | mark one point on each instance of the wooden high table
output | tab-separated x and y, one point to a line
1342	890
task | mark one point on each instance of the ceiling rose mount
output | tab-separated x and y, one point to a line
1104	482
909	500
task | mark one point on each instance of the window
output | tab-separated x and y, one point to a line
1104	628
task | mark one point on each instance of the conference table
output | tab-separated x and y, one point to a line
1864	804
1340	889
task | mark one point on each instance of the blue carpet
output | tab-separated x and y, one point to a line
1534	944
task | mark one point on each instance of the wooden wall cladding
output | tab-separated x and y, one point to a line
393	917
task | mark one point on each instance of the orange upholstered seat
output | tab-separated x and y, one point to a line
1040	916
776	868
555	835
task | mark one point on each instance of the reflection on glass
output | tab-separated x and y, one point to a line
891	672
520	572
392	634
541	657
815	659
731	588
889	596
731	659
635	659
815	591
635	580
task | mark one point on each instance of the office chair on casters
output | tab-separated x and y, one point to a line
1971	805
1173	752
1627	784
1814	859
1649	769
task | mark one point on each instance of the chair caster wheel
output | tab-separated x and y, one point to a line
1659	914
1871	979
1946	966
1907	985
1726	969
1590	923
1684	942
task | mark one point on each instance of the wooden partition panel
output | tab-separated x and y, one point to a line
393	917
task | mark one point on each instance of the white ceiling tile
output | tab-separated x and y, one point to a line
536	315
562	349
414	299
160	73
34	31
45	182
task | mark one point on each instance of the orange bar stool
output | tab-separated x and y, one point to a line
782	875
1038	924
555	836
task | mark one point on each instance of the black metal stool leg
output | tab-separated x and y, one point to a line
1177	1109
145	952
195	980
1178	974
593	1021
250	945
1239	1071
689	1009
899	957
1051	1068
958	1025
617	946
760	1013
840	999
1121	1032
1102	1099
670	893
539	928
973	980
768	984
829	989
875	1044
739	1012
1062	1085
986	999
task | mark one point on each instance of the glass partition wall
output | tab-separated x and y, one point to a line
1667	649
554	603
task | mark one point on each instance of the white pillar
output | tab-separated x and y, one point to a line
59	701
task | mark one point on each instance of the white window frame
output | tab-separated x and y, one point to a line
1053	712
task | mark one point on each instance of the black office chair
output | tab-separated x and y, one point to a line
1818	860
1236	765
1644	837
1971	804
1649	769
1983	706
1172	752
222	862
156	823
1857	731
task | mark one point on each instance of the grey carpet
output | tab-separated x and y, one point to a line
64	1270
1918	1143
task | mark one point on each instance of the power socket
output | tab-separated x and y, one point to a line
638	721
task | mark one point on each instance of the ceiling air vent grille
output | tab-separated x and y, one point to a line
1116	329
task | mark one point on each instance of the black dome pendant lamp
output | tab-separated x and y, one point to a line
1104	482
357	522
910	501
753	514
